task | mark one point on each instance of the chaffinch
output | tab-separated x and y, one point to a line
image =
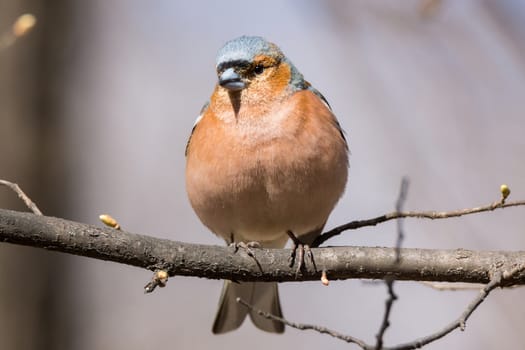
265	156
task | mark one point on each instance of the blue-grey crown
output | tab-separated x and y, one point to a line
245	48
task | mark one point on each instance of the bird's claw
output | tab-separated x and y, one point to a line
299	249
246	246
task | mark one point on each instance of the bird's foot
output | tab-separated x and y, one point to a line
246	246
299	249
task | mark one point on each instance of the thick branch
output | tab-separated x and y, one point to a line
222	263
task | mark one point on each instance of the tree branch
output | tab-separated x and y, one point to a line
218	262
21	194
460	322
433	215
392	297
306	326
497	280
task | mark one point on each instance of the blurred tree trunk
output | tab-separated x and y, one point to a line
33	283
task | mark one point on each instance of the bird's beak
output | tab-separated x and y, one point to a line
230	80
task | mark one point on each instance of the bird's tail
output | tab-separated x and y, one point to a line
262	295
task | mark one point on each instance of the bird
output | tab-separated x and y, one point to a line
266	157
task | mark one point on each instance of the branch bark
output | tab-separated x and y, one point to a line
215	262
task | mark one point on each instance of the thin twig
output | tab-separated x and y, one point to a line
401	199
386	316
448	286
392	297
27	201
433	215
305	326
460	322
497	281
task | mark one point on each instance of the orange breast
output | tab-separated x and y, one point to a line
259	177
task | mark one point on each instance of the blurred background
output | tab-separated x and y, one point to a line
96	105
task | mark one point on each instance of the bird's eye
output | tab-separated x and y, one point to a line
258	69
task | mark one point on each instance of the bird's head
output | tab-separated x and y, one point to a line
252	63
